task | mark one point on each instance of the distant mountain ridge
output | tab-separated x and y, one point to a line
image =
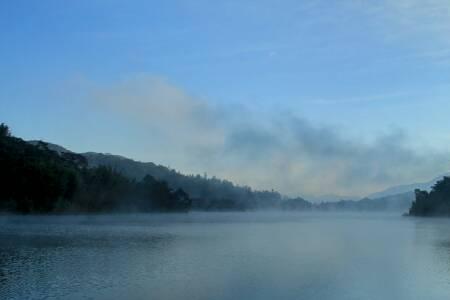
400	189
331	198
399	202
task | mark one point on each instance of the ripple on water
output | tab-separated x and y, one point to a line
212	257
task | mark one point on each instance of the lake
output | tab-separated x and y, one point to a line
225	256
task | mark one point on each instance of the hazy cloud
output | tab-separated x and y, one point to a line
276	150
164	108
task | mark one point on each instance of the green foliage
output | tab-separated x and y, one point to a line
35	179
433	203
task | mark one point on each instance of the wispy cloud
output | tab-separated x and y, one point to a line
427	21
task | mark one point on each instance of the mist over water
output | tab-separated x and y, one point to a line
225	256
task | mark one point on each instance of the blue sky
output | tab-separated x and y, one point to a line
225	86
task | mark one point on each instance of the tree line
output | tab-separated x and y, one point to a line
208	193
36	179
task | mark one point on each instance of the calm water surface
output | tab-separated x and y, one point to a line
225	256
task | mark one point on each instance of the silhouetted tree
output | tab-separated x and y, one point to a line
4	130
433	203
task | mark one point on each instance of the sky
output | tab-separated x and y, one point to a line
308	97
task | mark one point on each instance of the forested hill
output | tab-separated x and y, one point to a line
207	193
37	179
43	177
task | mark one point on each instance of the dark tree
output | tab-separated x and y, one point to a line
36	179
433	203
4	130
